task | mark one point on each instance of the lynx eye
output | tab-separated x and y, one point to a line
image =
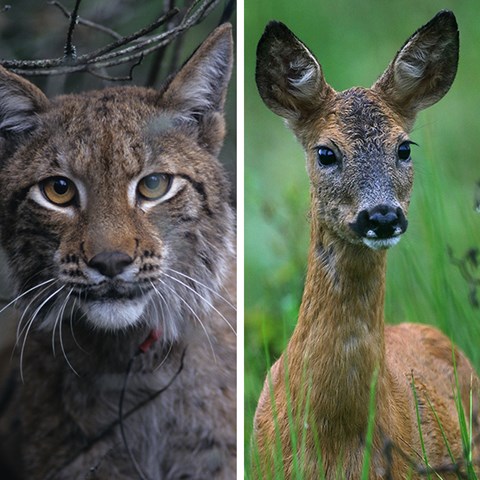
58	190
154	186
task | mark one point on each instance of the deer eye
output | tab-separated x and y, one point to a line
58	190
404	151
326	156
154	186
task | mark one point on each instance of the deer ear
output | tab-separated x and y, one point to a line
423	71
20	102
289	78
201	84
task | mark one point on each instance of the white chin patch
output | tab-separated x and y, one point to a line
114	314
381	243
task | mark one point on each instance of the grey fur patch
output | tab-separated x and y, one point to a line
16	111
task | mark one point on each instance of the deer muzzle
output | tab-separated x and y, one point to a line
380	227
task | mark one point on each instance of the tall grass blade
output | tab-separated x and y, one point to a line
422	443
370	426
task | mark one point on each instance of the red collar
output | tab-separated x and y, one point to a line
153	336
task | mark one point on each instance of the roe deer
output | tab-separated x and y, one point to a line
358	160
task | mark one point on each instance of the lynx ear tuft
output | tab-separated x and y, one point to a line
20	101
201	84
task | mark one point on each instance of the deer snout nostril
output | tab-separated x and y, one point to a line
380	222
110	264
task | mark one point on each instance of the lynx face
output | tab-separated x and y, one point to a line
113	203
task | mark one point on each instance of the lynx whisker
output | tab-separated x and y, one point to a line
42	273
204	299
29	326
18	297
159	311
71	326
37	295
163	301
58	320
60	334
55	323
161	315
212	290
193	313
164	358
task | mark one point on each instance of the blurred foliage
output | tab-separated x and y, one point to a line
34	29
354	42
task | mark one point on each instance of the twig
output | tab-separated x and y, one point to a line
160	53
70	50
470	258
126	78
177	46
85	22
227	11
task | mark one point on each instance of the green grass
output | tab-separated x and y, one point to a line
462	468
420	433
370	427
465	427
423	285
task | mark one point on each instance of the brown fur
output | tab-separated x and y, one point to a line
78	333
321	384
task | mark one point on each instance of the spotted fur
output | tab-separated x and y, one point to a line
80	327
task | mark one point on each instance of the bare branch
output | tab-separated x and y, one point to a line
468	267
177	47
227	11
126	78
109	56
85	22
70	51
22	66
160	53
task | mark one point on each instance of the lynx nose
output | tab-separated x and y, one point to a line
380	222
110	264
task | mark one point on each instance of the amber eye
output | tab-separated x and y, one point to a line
154	186
58	190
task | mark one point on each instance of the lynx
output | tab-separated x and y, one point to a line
117	225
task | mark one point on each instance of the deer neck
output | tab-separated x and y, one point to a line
339	339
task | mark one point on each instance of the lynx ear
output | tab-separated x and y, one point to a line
423	71
20	101
201	84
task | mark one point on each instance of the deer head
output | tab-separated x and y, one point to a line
356	141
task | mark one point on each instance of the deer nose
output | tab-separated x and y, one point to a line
110	264
380	222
